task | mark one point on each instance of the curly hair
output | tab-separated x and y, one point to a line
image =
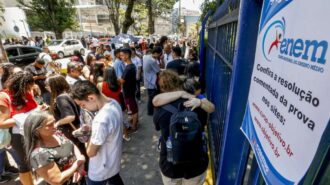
169	81
19	84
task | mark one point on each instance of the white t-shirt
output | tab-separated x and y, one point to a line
71	80
138	63
107	132
47	58
167	58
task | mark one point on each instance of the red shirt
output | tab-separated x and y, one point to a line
109	93
30	104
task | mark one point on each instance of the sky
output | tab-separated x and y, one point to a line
190	4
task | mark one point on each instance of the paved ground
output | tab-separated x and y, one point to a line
140	155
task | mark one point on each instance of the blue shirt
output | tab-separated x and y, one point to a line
119	67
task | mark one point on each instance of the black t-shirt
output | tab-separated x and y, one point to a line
65	106
177	65
38	72
162	122
129	75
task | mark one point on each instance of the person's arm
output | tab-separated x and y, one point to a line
52	174
92	149
81	169
168	97
65	120
206	105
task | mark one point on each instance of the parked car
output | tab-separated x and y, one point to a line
66	47
21	55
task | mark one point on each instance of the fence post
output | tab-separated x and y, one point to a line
235	147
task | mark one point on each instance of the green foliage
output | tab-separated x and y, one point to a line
207	6
54	15
162	8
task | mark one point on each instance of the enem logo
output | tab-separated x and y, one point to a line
274	43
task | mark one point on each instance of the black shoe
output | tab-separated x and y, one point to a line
12	169
4	179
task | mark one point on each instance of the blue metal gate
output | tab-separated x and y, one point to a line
229	57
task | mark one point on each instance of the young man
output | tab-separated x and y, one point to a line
118	64
129	85
39	71
177	64
105	145
150	71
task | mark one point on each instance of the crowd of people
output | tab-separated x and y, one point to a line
69	127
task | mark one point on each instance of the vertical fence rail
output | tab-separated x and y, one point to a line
223	68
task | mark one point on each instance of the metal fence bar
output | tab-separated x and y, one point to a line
234	150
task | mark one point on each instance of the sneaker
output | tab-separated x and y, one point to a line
126	138
4	178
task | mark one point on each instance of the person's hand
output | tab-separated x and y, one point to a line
76	177
186	95
193	103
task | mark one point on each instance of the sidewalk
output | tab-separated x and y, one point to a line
139	164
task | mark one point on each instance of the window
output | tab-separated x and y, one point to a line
74	42
12	52
67	43
28	50
99	2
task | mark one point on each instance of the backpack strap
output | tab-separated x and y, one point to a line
170	108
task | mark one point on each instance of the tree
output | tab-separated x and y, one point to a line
113	8
140	17
208	5
158	8
128	16
55	15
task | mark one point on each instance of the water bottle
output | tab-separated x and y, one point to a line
169	150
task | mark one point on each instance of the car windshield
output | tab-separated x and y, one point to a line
55	43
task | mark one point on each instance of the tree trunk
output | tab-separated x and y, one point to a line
58	34
128	16
151	26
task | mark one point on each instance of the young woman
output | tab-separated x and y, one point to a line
64	109
50	154
19	99
97	71
110	87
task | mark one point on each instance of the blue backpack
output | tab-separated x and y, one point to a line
186	142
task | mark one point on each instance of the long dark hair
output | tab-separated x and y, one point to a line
31	135
110	78
97	71
18	85
57	85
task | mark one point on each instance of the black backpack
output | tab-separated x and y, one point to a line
186	136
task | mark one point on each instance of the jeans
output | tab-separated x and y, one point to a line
151	94
114	180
